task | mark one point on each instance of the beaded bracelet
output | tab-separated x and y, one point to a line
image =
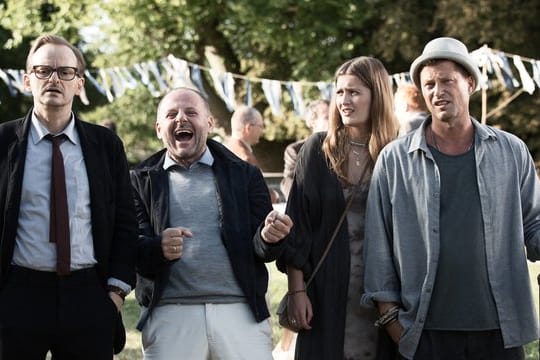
389	316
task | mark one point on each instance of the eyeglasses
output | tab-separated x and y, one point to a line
65	73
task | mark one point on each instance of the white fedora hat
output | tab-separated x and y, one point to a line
445	48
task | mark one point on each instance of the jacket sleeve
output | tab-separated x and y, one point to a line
530	203
121	216
150	260
381	282
303	205
260	205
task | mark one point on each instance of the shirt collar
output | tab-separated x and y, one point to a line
482	132
205	159
38	131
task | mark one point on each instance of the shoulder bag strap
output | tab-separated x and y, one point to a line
336	230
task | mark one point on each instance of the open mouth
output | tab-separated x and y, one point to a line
51	90
441	103
346	111
183	135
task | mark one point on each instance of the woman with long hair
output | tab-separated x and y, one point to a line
333	167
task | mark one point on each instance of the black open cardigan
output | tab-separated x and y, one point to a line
315	205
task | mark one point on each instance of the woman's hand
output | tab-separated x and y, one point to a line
300	310
299	306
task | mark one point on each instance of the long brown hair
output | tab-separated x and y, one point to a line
382	124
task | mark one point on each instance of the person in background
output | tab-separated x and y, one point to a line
68	228
247	126
333	168
203	242
453	214
410	107
316	117
109	124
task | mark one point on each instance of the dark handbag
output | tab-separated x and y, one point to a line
282	310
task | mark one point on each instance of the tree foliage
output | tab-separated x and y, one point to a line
302	40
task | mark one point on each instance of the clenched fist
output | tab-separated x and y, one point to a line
172	241
276	227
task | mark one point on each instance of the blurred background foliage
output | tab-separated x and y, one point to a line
303	40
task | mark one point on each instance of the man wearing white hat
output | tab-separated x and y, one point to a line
452	208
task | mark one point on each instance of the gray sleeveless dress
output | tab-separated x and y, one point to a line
360	333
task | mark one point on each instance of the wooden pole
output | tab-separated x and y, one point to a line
484	95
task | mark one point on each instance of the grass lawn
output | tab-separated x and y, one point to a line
277	287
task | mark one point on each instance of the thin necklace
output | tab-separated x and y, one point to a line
354	143
357	154
434	141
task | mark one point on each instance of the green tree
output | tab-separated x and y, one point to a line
302	40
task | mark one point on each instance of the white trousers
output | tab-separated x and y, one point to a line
206	332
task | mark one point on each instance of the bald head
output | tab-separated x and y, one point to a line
247	124
174	92
183	123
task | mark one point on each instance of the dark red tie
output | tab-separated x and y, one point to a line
59	218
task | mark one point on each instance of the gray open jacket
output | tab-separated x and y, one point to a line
402	233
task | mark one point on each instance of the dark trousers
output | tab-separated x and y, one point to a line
465	345
71	316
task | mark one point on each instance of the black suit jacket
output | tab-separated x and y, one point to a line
114	225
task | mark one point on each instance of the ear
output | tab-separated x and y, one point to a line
211	123
80	85
157	126
471	84
26	82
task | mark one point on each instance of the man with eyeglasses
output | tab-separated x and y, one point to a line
67	220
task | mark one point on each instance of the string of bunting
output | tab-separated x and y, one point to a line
170	72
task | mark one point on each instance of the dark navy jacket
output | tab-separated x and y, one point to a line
246	202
